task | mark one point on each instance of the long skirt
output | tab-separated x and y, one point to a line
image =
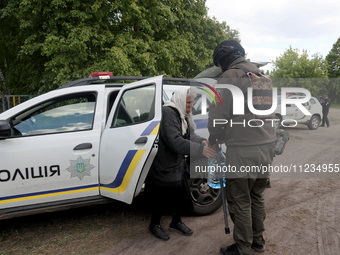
169	199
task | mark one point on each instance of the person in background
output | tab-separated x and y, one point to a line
325	109
167	183
246	146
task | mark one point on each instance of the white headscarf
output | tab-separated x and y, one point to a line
178	101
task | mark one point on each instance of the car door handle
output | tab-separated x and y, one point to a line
141	140
83	146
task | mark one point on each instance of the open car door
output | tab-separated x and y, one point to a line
128	146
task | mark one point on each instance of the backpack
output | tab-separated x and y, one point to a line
262	91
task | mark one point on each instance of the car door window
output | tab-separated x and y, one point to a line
63	114
135	106
111	100
197	105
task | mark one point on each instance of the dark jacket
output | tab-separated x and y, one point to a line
169	165
238	134
325	106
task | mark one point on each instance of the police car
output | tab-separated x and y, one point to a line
295	116
90	141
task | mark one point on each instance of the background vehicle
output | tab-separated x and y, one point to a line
92	140
294	113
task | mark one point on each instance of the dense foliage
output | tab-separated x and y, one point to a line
45	44
292	64
333	60
296	68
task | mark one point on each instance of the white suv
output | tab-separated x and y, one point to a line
92	140
295	114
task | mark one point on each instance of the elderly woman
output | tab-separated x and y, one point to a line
167	184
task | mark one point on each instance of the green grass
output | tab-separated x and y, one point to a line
335	106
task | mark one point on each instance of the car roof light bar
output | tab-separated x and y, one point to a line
101	74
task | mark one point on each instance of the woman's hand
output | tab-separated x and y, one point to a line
208	152
205	142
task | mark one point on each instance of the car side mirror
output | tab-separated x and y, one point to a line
5	129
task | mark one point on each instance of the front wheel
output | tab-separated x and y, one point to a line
205	199
314	122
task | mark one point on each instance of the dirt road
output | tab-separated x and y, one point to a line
302	212
302	215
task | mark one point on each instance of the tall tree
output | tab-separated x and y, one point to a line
296	69
53	42
293	64
333	59
9	45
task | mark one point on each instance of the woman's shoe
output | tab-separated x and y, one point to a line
158	232
181	228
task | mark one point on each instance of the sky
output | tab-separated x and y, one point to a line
267	28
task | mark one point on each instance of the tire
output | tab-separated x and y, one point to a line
205	199
314	122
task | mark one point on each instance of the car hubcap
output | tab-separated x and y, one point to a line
201	193
315	123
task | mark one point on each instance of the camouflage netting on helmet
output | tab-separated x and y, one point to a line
226	52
